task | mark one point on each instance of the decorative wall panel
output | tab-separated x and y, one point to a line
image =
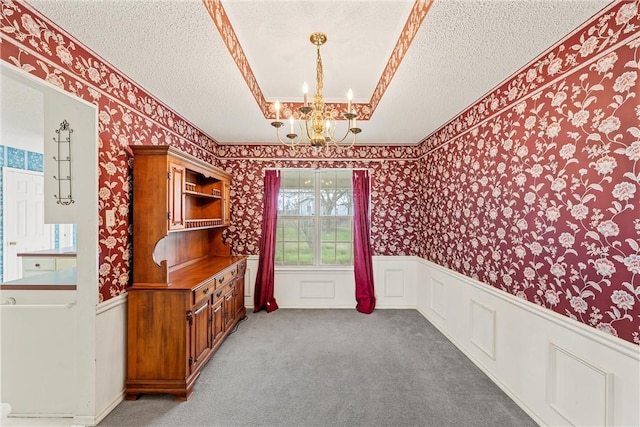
483	328
438	298
567	372
318	289
534	190
393	285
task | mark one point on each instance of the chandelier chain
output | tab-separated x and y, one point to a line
319	74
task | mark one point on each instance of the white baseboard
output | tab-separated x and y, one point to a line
110	407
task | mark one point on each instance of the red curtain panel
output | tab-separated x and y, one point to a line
263	295
362	264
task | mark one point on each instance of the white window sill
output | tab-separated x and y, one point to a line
312	268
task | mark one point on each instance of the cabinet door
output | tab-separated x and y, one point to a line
226	203
176	196
239	295
229	307
200	334
217	321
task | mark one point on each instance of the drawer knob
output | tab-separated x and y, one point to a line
221	279
233	272
205	291
37	265
219	294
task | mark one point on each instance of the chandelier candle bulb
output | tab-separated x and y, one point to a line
349	98
305	91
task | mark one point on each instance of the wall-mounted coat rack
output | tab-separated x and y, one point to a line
63	159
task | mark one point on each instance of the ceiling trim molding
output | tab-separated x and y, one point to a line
414	21
363	110
230	39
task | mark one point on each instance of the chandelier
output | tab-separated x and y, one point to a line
317	127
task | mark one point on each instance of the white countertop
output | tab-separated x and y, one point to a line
60	278
69	251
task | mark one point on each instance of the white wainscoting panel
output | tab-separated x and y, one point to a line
439	298
584	377
483	328
567	372
393	285
250	280
318	289
111	354
395	281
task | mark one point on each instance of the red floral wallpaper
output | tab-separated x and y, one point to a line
127	114
535	189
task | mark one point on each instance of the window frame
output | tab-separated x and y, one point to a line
317	224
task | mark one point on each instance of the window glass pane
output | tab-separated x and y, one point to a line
298	235
328	253
307	180
344	253
306	230
289	180
328	229
306	255
306	202
289	230
291	255
279	258
344	229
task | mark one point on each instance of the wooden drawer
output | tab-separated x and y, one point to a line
219	293
38	264
203	291
224	278
227	276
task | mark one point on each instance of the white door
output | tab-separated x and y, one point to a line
24	227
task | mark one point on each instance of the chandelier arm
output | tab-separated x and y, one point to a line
336	141
306	128
293	142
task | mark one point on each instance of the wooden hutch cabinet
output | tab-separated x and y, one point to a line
188	291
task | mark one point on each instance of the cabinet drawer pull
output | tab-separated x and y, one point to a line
231	284
37	265
205	291
221	279
233	272
217	309
219	294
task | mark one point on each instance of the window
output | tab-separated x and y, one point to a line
315	218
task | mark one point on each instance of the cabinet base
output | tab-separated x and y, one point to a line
180	390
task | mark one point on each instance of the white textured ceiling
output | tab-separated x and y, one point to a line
463	49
